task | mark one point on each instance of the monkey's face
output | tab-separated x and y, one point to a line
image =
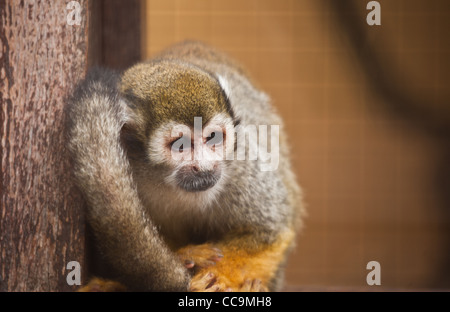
184	116
194	156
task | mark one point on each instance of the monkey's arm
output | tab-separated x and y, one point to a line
246	259
129	241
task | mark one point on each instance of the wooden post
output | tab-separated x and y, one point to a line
42	56
120	33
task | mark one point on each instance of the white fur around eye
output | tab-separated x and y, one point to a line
225	85
224	122
159	140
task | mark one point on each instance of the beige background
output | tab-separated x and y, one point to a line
374	167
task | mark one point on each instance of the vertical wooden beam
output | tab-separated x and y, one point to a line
120	33
41	219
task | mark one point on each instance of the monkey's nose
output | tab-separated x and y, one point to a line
197	180
211	168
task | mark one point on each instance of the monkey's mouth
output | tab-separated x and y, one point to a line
197	181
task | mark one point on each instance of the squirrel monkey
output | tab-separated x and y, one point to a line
171	207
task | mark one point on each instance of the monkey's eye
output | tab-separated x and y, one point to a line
180	144
215	138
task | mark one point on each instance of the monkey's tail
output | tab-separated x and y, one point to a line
128	239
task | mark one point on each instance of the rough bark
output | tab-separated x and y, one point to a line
41	220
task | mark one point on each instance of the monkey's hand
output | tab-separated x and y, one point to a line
196	257
210	283
101	285
247	264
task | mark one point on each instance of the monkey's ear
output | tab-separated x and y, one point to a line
225	85
126	112
128	115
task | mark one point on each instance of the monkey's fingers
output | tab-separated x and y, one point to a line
253	286
204	282
207	283
199	256
102	285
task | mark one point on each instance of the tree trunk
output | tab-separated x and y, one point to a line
41	220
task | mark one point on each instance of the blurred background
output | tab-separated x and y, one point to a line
367	111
